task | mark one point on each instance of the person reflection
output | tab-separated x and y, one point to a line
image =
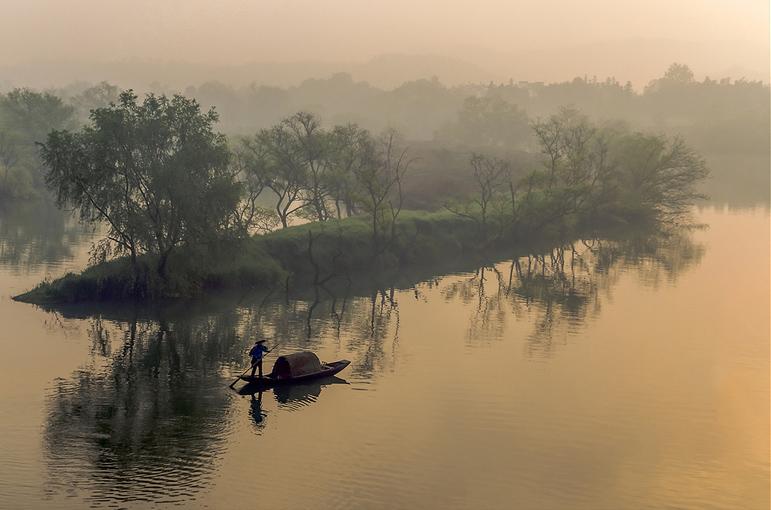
290	397
255	410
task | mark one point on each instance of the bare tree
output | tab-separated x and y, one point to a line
379	185
248	216
271	159
351	148
311	152
490	177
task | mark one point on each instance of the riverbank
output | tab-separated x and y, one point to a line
311	252
328	252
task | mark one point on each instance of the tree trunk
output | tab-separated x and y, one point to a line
163	261
134	271
512	191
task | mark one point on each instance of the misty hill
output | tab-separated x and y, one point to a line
637	60
384	71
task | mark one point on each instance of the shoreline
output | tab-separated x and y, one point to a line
341	250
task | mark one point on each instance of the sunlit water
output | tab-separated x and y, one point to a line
621	375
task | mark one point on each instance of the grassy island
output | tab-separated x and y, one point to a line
187	211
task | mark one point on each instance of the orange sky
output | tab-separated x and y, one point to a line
713	35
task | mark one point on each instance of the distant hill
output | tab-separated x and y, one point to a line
384	71
635	59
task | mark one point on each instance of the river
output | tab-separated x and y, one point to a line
603	375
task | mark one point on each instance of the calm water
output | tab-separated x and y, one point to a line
605	375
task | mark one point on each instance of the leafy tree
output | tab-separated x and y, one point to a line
26	117
488	122
576	162
272	158
9	156
33	114
156	172
98	96
660	175
678	73
311	149
249	216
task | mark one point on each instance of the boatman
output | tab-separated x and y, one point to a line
256	353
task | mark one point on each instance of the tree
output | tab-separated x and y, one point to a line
26	117
156	172
678	73
98	96
249	216
33	114
379	186
350	148
9	155
490	176
577	171
311	147
271	157
676	77
488	122
660	175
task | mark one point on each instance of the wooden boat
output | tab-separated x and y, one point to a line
297	367
303	392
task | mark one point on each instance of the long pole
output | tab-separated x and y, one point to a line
239	377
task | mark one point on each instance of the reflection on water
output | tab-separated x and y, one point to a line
148	418
598	373
35	234
563	288
146	423
292	397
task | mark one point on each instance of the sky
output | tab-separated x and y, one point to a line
497	35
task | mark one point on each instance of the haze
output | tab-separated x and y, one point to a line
50	42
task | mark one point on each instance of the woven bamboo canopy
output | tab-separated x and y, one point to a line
296	364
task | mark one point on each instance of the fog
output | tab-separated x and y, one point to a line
132	43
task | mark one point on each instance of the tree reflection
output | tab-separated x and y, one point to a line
560	289
147	417
34	234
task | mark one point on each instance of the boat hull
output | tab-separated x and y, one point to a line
269	380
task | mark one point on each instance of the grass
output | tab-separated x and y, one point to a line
341	248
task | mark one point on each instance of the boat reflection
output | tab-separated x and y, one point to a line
149	414
290	397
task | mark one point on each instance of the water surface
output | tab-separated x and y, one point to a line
598	374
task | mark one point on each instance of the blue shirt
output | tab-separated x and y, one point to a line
257	350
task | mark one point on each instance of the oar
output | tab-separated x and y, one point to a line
239	377
249	368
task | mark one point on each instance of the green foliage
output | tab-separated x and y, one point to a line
588	175
174	194
26	117
488	122
658	175
290	159
340	248
194	271
156	172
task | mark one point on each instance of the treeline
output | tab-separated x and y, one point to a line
26	118
169	187
720	115
159	176
442	124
